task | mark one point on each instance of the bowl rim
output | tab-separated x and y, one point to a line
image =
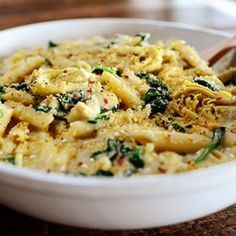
62	178
65	179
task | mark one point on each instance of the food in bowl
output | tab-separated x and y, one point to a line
115	106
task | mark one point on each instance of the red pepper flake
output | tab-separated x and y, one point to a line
126	76
89	90
105	100
65	71
161	170
218	99
120	161
80	163
165	124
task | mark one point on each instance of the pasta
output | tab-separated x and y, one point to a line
116	106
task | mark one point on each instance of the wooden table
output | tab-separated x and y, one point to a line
16	12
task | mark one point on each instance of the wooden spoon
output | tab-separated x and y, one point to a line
217	51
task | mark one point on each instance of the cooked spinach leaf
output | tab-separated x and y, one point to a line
99	117
117	148
100	68
136	158
150	79
143	36
206	84
48	62
60	116
1	113
217	139
114	149
18	86
157	96
69	99
110	45
11	160
52	44
2	88
104	173
130	172
22	86
42	108
178	128
1	91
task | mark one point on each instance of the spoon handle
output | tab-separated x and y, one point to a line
214	53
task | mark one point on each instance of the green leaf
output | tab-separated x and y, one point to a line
157	96
11	160
2	88
42	108
217	139
111	147
110	44
100	68
143	36
99	117
92	121
60	116
178	128
150	95
151	80
114	149
52	44
136	158
104	173
1	91
19	86
158	99
206	84
69	99
117	148
48	62
1	113
115	109
130	172
94	154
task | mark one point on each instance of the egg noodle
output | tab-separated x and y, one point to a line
115	106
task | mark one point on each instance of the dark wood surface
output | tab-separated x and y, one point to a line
17	12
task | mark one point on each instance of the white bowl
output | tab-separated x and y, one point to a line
112	203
